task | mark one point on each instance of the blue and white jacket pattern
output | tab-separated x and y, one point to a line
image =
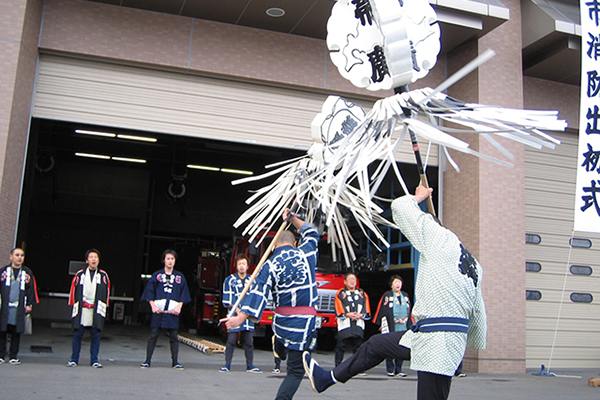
290	275
232	288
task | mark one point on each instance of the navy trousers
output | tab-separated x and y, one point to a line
378	348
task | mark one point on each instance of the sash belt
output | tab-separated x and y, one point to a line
301	310
441	324
87	305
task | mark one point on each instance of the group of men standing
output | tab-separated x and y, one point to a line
89	297
166	292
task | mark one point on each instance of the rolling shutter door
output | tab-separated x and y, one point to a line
130	97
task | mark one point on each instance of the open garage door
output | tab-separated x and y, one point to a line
121	200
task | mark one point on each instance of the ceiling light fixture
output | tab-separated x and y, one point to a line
236	171
275	12
127	159
140	138
112	135
203	167
94	133
89	155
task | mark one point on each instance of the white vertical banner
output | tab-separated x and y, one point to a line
587	197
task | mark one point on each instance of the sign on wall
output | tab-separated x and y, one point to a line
587	198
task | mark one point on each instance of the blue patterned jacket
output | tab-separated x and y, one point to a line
290	275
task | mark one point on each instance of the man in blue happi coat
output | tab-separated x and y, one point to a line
232	287
166	291
290	275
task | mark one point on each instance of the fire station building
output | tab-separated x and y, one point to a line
106	106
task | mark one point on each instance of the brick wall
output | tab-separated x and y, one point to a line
503	216
484	205
19	32
197	46
540	94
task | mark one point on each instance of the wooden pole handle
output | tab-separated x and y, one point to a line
430	207
417	151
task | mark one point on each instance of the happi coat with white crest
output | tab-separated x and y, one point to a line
167	291
93	290
448	285
290	275
27	294
346	301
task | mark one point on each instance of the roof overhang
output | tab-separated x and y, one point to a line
465	20
460	20
552	45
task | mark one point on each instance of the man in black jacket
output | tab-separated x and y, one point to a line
18	294
352	309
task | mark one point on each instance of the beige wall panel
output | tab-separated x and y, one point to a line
559	222
550	203
560	215
565	324
556	261
572	342
562	152
535	363
141	37
562	357
574	283
554	201
552	172
565	149
576	340
551	311
538	187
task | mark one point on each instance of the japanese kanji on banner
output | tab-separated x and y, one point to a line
587	197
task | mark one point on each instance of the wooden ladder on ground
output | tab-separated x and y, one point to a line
205	346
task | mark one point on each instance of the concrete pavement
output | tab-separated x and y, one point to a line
43	375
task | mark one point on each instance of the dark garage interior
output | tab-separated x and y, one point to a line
132	211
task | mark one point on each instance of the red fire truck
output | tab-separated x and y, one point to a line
211	272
